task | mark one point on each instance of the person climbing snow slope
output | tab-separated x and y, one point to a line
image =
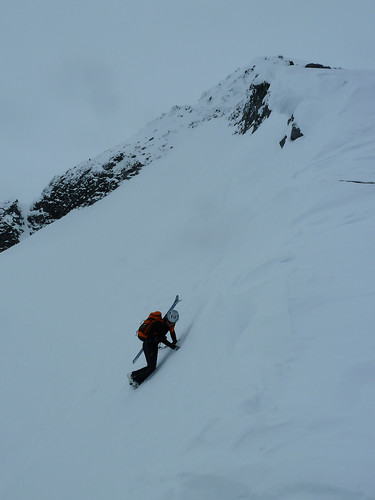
152	332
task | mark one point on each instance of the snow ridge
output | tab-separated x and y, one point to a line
245	99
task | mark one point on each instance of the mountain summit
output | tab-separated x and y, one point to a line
245	100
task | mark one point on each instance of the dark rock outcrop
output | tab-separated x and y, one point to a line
283	141
317	66
255	109
11	224
294	134
79	188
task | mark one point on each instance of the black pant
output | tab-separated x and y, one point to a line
151	353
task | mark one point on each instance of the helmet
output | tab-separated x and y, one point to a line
172	316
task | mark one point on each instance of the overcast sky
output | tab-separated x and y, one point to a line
80	76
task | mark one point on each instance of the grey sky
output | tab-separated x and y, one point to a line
80	76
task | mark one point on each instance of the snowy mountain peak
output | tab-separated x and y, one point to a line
245	99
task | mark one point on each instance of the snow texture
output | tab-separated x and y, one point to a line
271	396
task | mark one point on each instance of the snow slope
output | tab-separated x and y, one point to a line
272	394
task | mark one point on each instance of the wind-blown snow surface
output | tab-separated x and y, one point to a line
272	394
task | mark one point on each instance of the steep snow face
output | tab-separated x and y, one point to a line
271	394
245	98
